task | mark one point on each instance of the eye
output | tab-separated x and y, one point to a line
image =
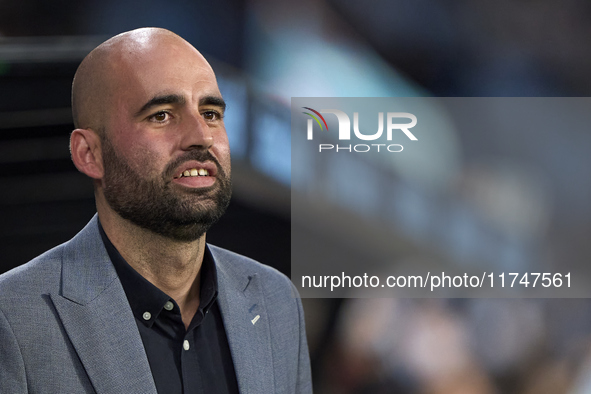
160	117
211	115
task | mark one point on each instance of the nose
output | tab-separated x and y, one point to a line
196	133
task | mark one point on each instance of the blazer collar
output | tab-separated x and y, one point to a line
86	268
98	320
244	313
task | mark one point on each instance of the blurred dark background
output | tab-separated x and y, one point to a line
265	52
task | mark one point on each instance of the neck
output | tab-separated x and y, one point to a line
172	266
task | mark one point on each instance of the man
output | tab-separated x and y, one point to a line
137	302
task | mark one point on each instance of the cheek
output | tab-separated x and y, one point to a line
141	154
223	150
143	158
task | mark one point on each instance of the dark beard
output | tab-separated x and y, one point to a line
154	205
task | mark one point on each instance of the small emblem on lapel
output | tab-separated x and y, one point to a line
256	319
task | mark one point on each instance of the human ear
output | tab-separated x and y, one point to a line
85	148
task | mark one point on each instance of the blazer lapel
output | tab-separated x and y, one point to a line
247	327
98	320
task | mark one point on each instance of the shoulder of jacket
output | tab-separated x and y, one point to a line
35	274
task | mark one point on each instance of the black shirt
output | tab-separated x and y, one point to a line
193	360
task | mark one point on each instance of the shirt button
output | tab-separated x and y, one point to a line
186	345
168	306
147	315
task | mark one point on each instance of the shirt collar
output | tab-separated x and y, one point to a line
146	300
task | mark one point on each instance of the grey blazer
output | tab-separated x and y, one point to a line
66	325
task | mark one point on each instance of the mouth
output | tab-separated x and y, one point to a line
195	168
195	174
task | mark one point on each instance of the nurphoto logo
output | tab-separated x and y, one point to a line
345	130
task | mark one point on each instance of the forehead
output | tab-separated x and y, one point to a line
167	67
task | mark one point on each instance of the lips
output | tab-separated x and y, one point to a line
194	172
196	169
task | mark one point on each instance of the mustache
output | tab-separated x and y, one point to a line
198	155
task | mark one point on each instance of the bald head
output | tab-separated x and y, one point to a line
104	69
148	113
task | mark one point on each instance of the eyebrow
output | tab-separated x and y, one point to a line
179	99
159	100
213	100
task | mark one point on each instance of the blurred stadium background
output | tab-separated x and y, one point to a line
266	52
